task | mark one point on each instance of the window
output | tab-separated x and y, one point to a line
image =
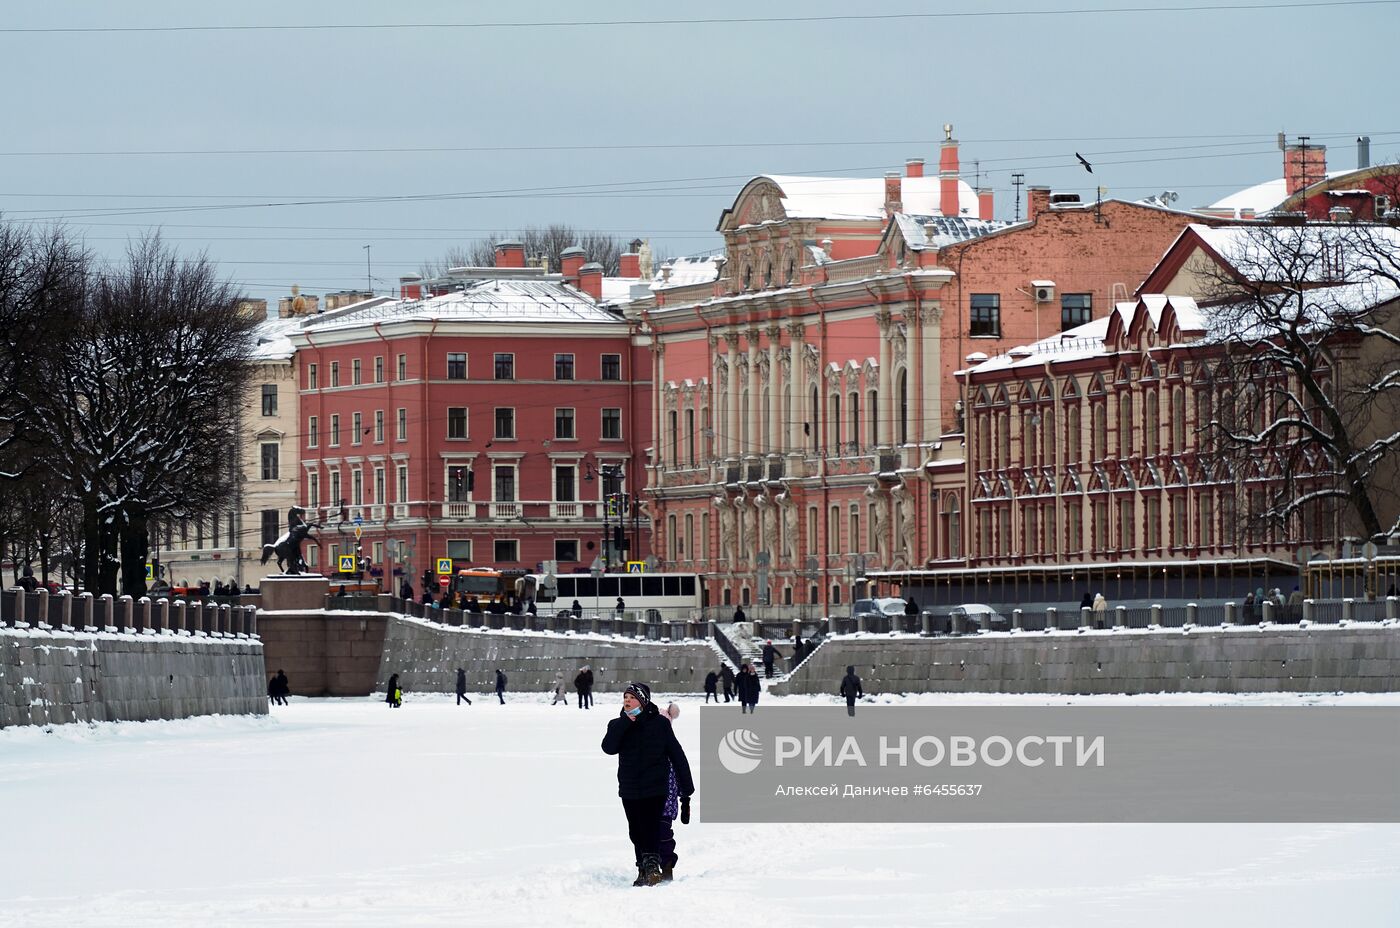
563	367
313	432
505	366
612	367
812	528
457	422
505	483
357	420
269	399
690	436
402	495
459	483
563	423
565	550
357	487
672	452
403	367
355	372
271	527
335	373
986	314
269	461
460	549
379	426
507	550
854	533
1075	310
379	488
456	366
311	376
335	499
335	430
505	422
402	425
612	423
565	484
379	369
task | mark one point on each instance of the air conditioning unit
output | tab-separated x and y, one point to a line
1044	291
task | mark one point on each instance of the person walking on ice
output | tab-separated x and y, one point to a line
561	690
749	688
501	685
583	683
648	754
462	687
711	687
850	689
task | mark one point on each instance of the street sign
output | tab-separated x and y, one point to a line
150	571
358	520
358	532
1369	550
444	565
636	567
346	563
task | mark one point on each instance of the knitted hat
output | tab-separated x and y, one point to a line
641	691
672	712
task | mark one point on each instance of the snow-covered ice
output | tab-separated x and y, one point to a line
345	812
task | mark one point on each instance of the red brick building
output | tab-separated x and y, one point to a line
1310	188
482	417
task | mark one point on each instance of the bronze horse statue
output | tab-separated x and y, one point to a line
288	549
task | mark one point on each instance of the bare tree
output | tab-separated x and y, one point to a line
1308	320
140	404
540	242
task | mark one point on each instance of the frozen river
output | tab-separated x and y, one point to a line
345	812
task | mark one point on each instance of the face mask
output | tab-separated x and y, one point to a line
635	711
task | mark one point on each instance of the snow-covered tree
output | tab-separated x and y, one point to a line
1308	319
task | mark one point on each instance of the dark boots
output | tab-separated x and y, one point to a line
650	870
667	874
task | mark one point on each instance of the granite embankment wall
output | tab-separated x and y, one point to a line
1253	659
325	653
426	657
55	676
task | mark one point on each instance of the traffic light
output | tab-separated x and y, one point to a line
619	538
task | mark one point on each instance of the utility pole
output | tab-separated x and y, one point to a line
369	278
1016	181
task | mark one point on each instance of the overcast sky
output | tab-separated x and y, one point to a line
670	118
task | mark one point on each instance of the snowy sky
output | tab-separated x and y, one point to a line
664	122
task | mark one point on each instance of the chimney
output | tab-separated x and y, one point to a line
343	298
914	167
1363	152
893	203
629	265
1037	201
411	287
590	280
948	198
510	254
570	260
1303	166
984	203
253	309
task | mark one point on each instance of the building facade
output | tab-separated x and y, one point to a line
485	424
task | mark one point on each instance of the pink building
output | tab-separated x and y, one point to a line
483	424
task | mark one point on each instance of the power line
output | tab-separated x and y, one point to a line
698	21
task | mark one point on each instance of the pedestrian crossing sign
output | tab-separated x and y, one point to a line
150	571
346	563
444	565
636	567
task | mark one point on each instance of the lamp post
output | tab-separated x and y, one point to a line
613	504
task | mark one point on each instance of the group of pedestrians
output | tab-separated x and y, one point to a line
278	688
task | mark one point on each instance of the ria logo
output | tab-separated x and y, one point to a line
740	751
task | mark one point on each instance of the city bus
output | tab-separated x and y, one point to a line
654	596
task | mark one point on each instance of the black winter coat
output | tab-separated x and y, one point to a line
584	681
727	676
711	682
647	751
850	686
770	654
748	687
461	683
500	682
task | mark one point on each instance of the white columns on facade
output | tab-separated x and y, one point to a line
930	353
797	439
755	383
885	411
732	396
776	432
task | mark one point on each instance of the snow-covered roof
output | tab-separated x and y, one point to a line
1261	197
544	300
946	230
270	339
1244	245
864	197
700	269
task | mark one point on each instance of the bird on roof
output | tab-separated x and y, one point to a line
1086	164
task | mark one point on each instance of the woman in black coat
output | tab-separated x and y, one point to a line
748	687
647	752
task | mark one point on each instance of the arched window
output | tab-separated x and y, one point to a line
1149	423
872	412
745	447
854	401
1179	419
1003	438
764	416
834	422
813	425
952	526
1125	425
787	410
1100	437
1072	427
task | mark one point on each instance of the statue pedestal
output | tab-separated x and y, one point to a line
302	592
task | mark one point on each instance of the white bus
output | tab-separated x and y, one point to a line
655	597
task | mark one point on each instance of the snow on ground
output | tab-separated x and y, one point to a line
345	812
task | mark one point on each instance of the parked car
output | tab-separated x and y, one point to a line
889	608
982	616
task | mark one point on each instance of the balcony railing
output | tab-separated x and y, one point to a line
376	514
459	510
507	510
573	510
401	510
